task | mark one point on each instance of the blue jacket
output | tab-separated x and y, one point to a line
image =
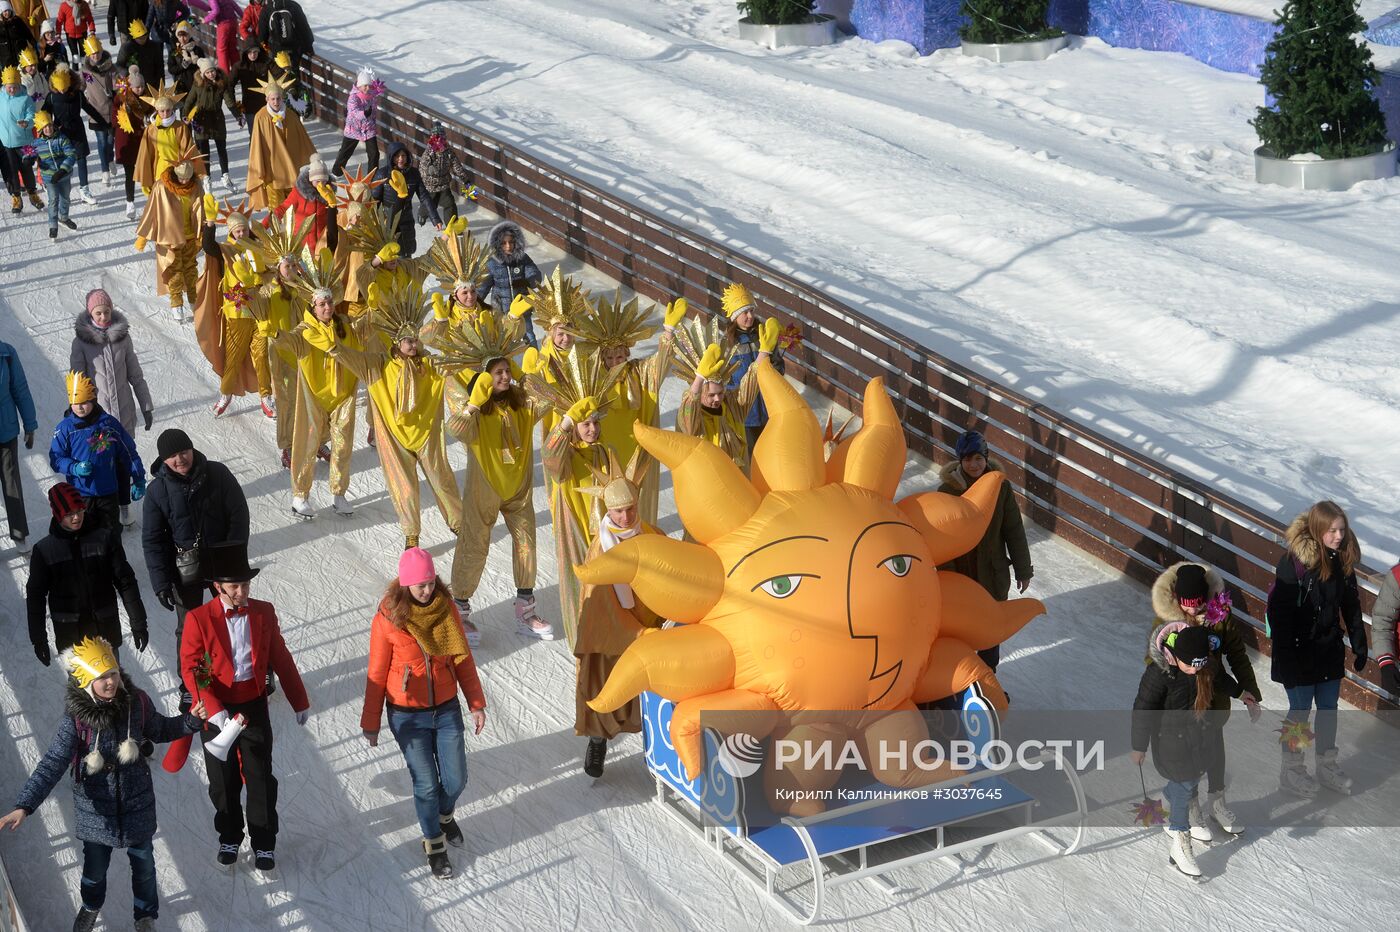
54	153
101	440
13	109
117	805
14	396
745	353
508	277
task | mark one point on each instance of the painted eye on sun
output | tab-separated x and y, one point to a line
780	587
900	564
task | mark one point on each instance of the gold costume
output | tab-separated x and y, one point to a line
172	222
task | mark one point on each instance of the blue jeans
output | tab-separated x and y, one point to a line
529	319
145	900
433	743
58	199
105	146
1179	794
1300	702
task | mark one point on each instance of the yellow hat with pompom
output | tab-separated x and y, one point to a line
736	298
80	387
90	659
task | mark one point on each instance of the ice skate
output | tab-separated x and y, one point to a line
1222	814
269	407
85	195
227	856
1180	854
265	861
464	608
593	757
68	223
22	543
224	182
222	405
302	508
16	205
36	200
85	921
1200	825
1330	775
436	849
1294	777
451	831
178	313
286	459
341	506
131	210
324	453
107	180
126	517
530	624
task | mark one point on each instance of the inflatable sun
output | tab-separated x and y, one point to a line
808	587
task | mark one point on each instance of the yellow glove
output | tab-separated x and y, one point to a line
439	306
455	226
675	312
582	409
244	272
520	306
327	193
211	208
372	295
140	244
481	392
530	362
768	333
711	363
399	183
484	319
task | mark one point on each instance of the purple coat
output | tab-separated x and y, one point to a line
361	114
224	11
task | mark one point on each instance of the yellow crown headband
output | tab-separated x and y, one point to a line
80	388
90	659
559	300
736	298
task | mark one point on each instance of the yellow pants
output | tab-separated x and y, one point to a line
401	476
284	392
179	271
480	508
240	337
312	423
259	350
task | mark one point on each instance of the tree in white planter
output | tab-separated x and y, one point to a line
1320	77
776	12
998	22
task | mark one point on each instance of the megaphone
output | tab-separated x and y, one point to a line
221	745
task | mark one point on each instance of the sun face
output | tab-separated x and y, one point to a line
808	586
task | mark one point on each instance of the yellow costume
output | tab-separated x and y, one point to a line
173	221
278	150
228	308
571	465
406	398
697	353
162	144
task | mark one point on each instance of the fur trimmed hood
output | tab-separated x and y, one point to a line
99	716
1157	641
1308	549
1164	604
304	186
119	329
952	476
498	233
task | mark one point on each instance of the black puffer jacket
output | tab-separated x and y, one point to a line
205	506
68	109
1306	614
1163	716
402	207
78	576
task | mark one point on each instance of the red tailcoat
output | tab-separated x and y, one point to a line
207	630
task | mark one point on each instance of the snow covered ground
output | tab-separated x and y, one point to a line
1086	229
547	848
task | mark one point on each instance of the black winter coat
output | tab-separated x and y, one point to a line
206	506
1163	718
120	14
402	207
68	109
1306	615
78	577
14	38
301	39
148	57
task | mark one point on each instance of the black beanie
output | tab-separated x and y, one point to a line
172	441
1191	582
1192	645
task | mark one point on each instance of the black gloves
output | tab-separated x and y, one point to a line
1390	675
58	176
140	637
29	439
41	650
166	597
149	417
1359	663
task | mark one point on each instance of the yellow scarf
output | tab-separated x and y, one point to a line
330	384
434	628
409	397
504	448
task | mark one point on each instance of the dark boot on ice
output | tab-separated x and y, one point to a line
593	757
451	831
85	920
436	849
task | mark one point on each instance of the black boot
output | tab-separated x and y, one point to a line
451	831
593	757
85	920
436	849
228	855
265	860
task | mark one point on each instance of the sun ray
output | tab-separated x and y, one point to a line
970	615
676	579
712	495
875	458
952	667
676	664
788	456
953	524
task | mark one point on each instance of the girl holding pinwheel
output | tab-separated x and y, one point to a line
1172	716
1194	594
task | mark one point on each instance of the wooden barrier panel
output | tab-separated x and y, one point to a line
1133	512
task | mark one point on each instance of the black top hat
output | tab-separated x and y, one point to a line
227	562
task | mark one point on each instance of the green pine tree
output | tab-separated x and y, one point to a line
1002	21
776	12
1320	79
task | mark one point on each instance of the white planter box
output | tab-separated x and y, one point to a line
820	29
1323	174
1038	50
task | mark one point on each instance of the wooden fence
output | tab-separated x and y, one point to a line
1134	513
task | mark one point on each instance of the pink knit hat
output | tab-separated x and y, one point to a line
97	297
416	566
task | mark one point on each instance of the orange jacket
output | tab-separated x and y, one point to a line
398	672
